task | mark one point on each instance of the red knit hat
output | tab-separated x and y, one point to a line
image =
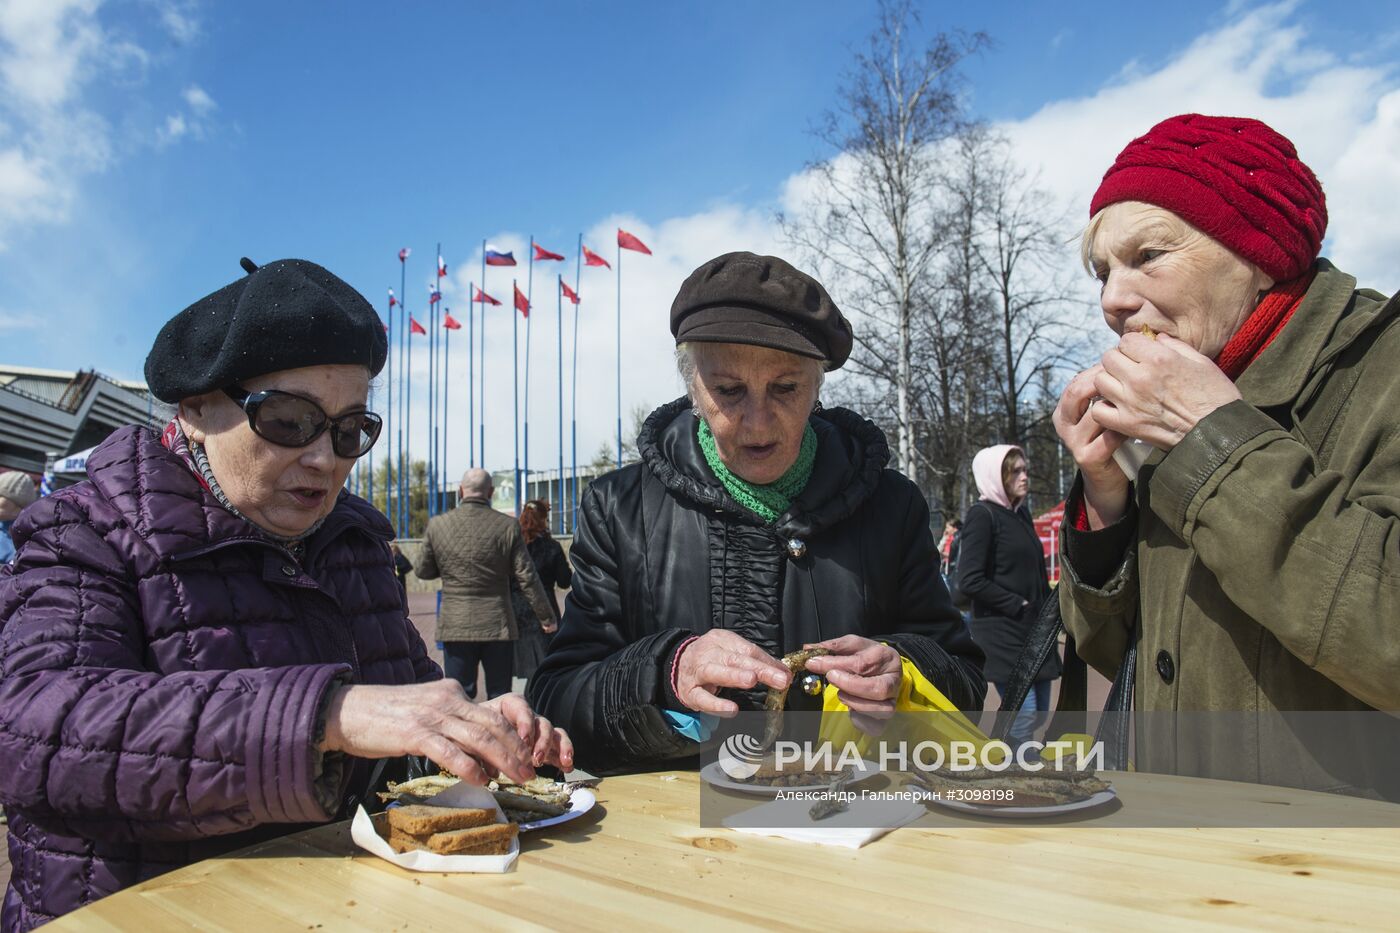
1233	178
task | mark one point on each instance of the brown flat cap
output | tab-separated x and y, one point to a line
762	301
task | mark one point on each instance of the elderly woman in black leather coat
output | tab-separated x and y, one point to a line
757	523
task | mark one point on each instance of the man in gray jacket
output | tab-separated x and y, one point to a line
477	550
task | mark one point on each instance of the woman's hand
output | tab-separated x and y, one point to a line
1092	446
1157	389
718	659
865	673
550	745
473	741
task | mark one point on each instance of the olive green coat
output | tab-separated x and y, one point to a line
477	550
1266	565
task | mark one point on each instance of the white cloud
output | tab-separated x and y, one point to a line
199	100
48	48
18	320
193	123
178	18
174	128
51	51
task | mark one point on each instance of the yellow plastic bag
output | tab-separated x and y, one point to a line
943	724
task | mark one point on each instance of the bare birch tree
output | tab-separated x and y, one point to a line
872	226
1020	245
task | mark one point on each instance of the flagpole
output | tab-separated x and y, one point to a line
619	356
438	373
559	333
471	375
529	299
388	412
393	458
573	392
433	391
404	385
515	384
388	415
432	388
481	374
446	398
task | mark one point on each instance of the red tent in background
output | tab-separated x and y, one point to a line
1047	526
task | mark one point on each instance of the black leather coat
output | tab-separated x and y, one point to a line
662	552
1002	565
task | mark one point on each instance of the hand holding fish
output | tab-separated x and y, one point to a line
866	673
718	659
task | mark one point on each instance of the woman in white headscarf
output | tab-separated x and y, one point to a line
1002	568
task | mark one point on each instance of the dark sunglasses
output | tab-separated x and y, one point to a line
289	420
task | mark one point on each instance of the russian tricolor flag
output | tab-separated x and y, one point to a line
496	257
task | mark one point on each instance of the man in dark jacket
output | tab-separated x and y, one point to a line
749	530
478	551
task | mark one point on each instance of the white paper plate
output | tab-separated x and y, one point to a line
1021	813
581	800
712	774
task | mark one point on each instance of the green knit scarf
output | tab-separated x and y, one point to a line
773	499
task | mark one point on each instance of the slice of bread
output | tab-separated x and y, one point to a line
402	843
420	820
479	840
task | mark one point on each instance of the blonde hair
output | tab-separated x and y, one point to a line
1086	241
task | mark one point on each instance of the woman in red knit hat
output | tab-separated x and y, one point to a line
1236	518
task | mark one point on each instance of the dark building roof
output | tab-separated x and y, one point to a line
46	413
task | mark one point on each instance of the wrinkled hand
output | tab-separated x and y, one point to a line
1158	389
473	741
1092	446
718	659
865	673
550	745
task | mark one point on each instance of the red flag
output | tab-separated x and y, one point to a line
628	241
392	300
414	327
482	298
541	254
450	322
569	293
521	304
591	258
403	253
442	267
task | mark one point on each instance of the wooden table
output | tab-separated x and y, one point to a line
641	860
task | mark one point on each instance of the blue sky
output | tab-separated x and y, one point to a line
146	144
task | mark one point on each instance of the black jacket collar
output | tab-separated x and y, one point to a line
851	455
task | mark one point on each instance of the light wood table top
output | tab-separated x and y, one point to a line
640	859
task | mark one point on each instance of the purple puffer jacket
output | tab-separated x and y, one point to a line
162	670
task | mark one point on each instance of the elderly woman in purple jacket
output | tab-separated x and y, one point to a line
204	644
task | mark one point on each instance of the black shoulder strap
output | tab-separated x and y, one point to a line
991	517
1042	639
